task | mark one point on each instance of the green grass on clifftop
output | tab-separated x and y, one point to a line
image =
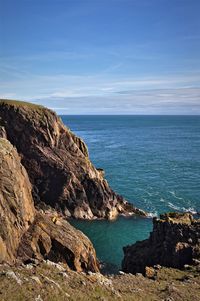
19	103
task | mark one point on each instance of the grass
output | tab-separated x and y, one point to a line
54	286
19	103
33	111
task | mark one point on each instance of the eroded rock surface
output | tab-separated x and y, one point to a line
16	205
58	241
26	233
58	165
174	242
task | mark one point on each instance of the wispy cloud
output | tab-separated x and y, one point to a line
137	104
106	90
153	101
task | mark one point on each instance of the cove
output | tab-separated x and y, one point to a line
109	237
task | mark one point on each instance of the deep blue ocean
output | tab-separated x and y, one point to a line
153	161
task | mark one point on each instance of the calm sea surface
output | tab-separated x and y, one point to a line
153	161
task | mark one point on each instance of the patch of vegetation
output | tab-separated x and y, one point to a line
48	283
19	103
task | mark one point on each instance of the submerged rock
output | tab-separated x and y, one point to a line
26	233
58	164
174	242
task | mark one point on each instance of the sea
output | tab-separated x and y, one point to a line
152	161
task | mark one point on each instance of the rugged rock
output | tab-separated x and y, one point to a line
26	233
58	241
174	242
58	165
16	204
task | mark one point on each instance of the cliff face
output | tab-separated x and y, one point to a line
26	233
174	242
16	204
58	165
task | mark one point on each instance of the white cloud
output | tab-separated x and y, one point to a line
103	92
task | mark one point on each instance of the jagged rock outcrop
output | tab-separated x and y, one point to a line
174	242
58	165
26	233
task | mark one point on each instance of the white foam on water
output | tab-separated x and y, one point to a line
174	194
174	206
150	193
162	200
189	210
152	214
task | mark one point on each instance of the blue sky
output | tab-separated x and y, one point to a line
102	56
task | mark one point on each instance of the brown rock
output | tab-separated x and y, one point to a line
16	204
171	244
58	165
58	241
150	273
26	233
3	132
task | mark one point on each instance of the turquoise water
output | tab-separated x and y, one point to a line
153	161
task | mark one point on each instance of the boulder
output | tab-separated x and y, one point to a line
150	273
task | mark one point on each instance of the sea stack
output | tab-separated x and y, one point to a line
58	164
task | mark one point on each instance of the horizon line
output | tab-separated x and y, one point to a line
197	115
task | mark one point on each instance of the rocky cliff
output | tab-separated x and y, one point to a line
26	233
58	165
16	205
58	241
174	242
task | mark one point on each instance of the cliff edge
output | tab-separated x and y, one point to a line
58	164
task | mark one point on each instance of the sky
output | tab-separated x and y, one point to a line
102	56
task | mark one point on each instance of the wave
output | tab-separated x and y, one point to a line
174	206
183	209
152	214
162	200
151	193
174	195
114	145
190	210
